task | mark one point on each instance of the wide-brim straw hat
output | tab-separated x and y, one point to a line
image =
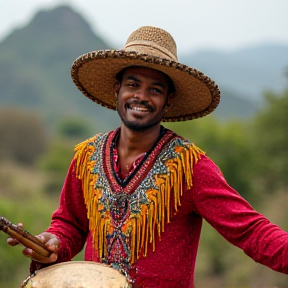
93	73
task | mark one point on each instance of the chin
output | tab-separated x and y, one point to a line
136	126
140	124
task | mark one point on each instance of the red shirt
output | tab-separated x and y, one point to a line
172	263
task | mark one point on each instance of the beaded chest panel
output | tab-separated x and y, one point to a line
127	216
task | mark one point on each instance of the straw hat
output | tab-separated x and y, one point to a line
93	73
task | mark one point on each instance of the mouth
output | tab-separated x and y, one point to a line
139	108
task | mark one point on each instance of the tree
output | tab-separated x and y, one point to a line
55	163
73	128
23	135
271	141
228	144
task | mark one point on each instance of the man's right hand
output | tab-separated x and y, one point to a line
51	242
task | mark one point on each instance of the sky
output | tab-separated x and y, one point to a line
194	24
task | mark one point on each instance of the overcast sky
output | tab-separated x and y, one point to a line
194	24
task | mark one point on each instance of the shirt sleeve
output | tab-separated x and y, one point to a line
69	222
235	219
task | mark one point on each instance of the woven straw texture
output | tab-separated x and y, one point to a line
77	274
93	73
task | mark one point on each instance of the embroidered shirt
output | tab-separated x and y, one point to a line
175	245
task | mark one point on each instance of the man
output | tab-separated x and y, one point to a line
137	195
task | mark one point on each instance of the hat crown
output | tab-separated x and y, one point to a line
153	41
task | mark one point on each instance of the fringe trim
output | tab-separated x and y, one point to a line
143	227
83	170
171	187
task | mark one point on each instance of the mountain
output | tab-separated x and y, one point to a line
248	71
35	66
36	59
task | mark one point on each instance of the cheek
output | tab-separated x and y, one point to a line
123	94
161	103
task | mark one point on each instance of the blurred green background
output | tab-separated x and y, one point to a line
43	116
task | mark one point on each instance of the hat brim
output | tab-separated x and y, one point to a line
196	95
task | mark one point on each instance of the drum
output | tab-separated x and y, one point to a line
75	274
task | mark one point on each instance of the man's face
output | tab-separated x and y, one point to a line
142	97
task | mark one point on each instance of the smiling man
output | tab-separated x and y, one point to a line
143	97
136	196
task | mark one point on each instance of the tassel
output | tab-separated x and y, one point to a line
146	226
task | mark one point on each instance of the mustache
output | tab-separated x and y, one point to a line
142	103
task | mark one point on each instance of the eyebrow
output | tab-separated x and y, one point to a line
133	78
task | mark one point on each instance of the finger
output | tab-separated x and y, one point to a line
51	242
39	258
12	241
20	225
49	239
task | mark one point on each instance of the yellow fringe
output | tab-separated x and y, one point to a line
150	222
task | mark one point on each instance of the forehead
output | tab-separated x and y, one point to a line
147	73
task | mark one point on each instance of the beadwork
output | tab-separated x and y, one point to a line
127	216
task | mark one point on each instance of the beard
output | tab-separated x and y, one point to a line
138	126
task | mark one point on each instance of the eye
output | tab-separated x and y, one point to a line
157	91
132	84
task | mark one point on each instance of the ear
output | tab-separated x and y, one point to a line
116	87
170	99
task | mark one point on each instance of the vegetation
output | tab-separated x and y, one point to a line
252	155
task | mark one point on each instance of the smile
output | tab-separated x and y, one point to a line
138	108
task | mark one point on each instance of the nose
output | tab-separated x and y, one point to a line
142	94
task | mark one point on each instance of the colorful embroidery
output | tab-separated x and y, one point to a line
127	216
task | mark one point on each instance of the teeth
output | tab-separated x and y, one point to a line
139	109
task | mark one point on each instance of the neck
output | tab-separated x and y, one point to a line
137	141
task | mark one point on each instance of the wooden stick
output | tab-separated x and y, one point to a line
24	237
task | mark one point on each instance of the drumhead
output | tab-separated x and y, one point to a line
76	274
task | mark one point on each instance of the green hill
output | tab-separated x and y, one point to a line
35	66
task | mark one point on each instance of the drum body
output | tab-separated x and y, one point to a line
76	274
